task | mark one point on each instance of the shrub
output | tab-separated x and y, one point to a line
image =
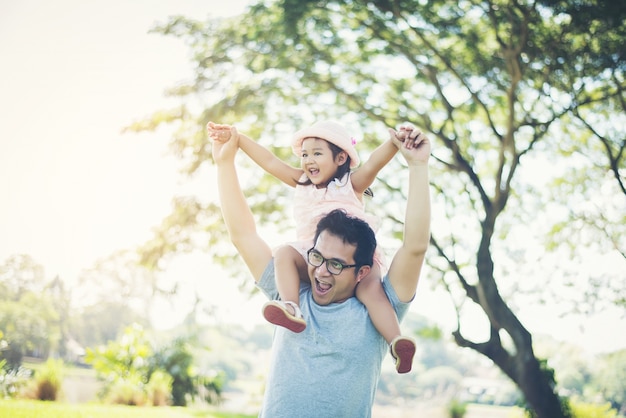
48	381
135	373
12	380
589	410
126	391
159	389
457	409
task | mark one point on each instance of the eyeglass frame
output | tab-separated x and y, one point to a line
326	260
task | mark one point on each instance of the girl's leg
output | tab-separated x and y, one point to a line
290	269
370	292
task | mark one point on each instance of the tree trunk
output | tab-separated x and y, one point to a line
537	386
536	382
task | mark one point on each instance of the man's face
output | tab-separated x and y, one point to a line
330	288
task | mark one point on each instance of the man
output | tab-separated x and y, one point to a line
332	368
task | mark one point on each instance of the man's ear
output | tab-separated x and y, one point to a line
363	271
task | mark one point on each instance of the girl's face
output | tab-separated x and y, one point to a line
317	161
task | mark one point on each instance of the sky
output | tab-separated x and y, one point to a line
75	189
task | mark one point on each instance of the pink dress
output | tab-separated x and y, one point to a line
311	204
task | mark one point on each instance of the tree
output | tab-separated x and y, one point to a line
496	83
122	279
102	321
20	274
28	318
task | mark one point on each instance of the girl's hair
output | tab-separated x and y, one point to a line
351	230
342	170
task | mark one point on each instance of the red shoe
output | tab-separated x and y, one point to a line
276	312
402	350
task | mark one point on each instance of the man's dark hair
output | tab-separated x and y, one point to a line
351	230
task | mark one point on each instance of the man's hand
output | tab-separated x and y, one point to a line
412	143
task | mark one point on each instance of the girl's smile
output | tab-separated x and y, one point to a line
317	161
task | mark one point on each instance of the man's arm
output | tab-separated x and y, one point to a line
235	210
406	266
364	176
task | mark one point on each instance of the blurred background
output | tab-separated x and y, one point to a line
110	234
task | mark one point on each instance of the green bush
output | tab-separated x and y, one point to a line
126	391
159	389
589	410
30	408
48	381
136	373
12	381
457	409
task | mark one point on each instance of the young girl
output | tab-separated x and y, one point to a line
325	182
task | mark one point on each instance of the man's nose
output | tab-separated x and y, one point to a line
323	269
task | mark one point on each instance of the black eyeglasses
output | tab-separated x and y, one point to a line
333	266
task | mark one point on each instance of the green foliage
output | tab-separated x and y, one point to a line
30	327
457	409
125	358
159	389
127	390
28	318
101	322
434	333
176	360
29	409
123	366
20	274
609	379
549	374
12	380
494	85
134	372
48	381
589	410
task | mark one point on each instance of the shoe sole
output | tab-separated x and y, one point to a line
277	316
403	351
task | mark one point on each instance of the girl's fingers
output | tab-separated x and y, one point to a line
219	132
414	139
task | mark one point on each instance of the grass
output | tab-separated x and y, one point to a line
38	409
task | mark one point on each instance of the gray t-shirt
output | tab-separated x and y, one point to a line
331	369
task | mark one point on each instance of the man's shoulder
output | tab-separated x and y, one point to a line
392	295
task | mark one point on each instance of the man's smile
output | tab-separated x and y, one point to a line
322	287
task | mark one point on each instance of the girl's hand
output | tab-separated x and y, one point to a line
412	143
219	132
225	151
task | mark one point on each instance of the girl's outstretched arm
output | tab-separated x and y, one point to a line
269	162
259	154
364	176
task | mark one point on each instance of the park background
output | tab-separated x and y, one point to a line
77	188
